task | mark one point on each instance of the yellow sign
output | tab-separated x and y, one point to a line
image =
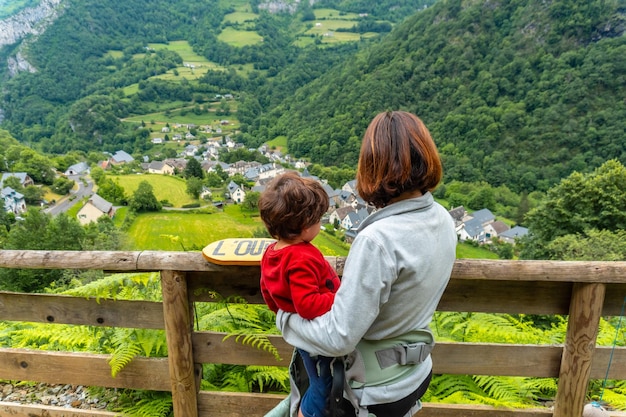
236	251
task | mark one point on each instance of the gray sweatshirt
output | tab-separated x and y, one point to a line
395	274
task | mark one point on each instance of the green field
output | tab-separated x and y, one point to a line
280	143
165	187
240	17
175	231
467	251
239	38
194	65
179	230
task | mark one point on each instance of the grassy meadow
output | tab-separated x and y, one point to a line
165	187
239	38
178	230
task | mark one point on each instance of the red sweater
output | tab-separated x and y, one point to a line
298	279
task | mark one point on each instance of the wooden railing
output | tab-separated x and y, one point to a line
583	291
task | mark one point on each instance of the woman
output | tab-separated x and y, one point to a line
395	274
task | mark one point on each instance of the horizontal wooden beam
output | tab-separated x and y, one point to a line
39	410
64	309
82	369
496	270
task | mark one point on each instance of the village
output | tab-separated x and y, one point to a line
346	211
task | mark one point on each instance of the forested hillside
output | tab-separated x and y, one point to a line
515	93
519	92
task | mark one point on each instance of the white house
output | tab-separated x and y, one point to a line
161	167
77	169
237	194
13	201
95	208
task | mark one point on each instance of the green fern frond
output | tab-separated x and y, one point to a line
146	404
256	340
510	390
122	357
137	286
153	342
236	381
271	377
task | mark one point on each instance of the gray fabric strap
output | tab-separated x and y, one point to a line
404	354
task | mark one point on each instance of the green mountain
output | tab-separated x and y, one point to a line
99	62
514	92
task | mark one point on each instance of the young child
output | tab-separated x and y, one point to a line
295	277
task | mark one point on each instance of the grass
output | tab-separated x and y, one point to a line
467	251
240	17
164	187
239	38
194	65
334	14
280	143
176	231
174	117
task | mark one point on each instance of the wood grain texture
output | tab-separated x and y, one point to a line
82	369
64	309
178	328
8	409
580	342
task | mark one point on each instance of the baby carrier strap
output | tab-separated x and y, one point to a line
382	362
378	362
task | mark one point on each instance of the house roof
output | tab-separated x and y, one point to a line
517	231
342	212
232	187
500	227
79	168
457	213
473	227
11	193
121	156
484	215
22	176
100	203
157	165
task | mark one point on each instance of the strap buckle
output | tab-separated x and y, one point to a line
415	353
404	354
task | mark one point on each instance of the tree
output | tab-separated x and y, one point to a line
33	194
111	191
13	182
143	199
251	201
578	204
62	185
194	187
97	174
193	169
214	180
594	245
39	231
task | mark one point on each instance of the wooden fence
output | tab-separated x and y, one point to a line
583	291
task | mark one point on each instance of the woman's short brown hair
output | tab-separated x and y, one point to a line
397	155
290	204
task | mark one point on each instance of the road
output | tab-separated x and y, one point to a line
84	189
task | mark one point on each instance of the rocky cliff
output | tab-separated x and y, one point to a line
30	21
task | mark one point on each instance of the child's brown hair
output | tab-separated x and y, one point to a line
290	204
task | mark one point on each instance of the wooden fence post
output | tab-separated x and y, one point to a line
178	328
582	331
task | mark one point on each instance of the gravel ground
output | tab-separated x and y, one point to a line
68	396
